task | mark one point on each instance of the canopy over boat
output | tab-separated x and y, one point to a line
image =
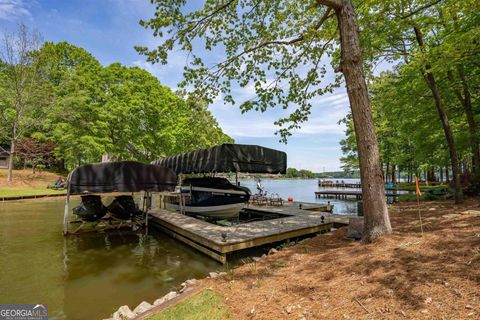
228	158
122	176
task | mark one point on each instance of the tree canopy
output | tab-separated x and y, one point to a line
279	49
434	50
91	110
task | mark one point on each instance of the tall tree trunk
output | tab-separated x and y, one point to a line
452	149
13	145
465	99
387	170
441	174
447	174
377	221
394	177
10	160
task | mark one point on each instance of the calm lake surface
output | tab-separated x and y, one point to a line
304	190
87	276
90	276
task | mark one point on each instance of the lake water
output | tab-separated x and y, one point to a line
87	276
304	190
90	276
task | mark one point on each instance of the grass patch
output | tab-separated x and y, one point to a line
206	305
424	197
26	183
412	187
28	191
278	265
287	244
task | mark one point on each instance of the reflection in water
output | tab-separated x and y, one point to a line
90	275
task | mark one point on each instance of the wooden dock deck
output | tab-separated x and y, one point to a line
332	184
218	241
346	194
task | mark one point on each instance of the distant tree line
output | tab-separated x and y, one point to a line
354	174
427	109
57	99
304	174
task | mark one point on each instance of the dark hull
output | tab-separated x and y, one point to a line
91	208
123	207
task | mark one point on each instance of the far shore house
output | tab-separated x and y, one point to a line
4	156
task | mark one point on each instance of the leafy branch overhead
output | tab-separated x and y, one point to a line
277	48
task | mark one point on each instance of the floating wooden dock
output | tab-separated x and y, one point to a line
219	241
339	184
348	194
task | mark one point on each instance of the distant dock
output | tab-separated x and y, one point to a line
349	194
337	184
297	219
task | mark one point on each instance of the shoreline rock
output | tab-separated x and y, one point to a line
123	313
142	307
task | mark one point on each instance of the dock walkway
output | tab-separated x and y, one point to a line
346	194
332	184
218	241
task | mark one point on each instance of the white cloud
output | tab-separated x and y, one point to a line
12	9
326	112
339	97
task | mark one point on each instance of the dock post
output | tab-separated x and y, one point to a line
65	212
360	208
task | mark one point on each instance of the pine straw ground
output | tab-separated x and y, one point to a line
401	276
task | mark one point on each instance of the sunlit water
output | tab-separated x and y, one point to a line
304	190
90	276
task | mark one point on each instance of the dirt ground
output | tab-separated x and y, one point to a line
26	179
405	275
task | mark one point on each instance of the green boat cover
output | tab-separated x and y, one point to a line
121	176
228	158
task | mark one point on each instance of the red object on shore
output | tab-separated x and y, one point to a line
290	199
417	187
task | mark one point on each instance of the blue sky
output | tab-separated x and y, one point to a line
109	29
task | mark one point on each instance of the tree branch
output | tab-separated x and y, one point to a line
428	5
299	38
217	10
332	4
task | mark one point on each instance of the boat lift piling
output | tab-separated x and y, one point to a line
115	178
